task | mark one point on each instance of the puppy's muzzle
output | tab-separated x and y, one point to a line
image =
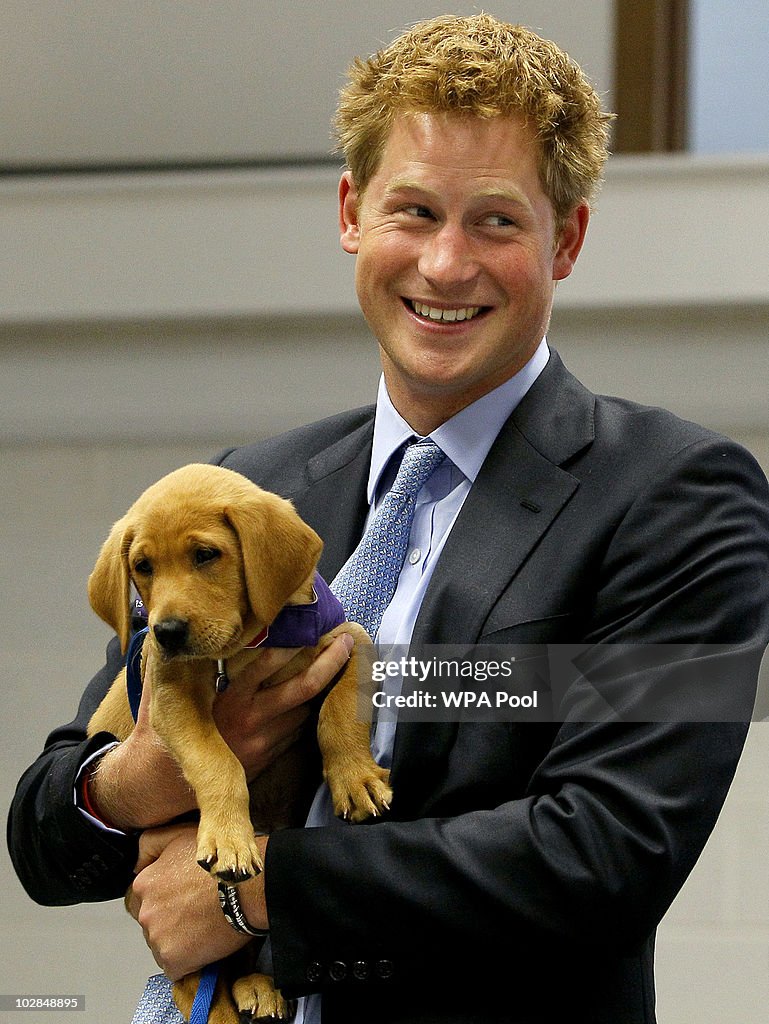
172	635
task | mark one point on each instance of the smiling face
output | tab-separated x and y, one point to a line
457	258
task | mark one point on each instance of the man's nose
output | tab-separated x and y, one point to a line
448	258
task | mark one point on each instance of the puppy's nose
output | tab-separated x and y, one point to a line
171	634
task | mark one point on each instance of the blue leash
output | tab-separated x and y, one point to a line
201	1004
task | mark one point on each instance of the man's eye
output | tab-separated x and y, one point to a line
499	220
418	211
143	567
205	555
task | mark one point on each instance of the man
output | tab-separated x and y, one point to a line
523	868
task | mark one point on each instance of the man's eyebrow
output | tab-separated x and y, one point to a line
505	195
409	185
494	193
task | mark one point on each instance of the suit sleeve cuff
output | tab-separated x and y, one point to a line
81	797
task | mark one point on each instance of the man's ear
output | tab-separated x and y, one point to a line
569	241
349	227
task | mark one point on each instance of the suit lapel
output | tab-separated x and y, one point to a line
514	500
519	491
334	502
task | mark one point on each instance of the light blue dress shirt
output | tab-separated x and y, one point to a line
466	439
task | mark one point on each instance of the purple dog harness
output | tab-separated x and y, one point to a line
296	625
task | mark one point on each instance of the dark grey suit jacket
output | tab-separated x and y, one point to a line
524	867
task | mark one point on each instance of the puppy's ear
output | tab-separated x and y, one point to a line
280	551
109	583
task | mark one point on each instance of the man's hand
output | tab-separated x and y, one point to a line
138	785
176	903
259	724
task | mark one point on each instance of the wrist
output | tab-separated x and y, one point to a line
84	797
247	901
135	789
234	914
89	803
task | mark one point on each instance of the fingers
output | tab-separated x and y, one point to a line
311	681
132	903
260	723
176	906
258	707
329	662
153	842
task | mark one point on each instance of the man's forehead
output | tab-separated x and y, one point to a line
496	157
457	137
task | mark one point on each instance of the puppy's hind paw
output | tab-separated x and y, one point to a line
287	1014
258	1000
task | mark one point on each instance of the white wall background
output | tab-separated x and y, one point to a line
111	81
148	319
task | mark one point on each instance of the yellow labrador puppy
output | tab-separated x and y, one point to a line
216	561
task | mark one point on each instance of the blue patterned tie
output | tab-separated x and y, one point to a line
157	1005
366	582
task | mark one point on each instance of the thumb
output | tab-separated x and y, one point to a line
154	841
143	718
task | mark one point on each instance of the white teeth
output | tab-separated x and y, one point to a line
465	313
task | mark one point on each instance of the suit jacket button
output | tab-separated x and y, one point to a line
384	969
338	970
314	971
361	970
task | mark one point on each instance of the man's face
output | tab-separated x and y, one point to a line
456	258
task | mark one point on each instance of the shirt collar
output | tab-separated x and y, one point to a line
467	437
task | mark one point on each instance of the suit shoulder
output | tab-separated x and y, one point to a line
576	416
279	463
621	417
651	436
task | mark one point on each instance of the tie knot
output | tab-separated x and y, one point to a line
418	463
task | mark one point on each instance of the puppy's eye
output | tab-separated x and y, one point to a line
143	567
205	555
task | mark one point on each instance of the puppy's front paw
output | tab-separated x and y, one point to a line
231	858
360	792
